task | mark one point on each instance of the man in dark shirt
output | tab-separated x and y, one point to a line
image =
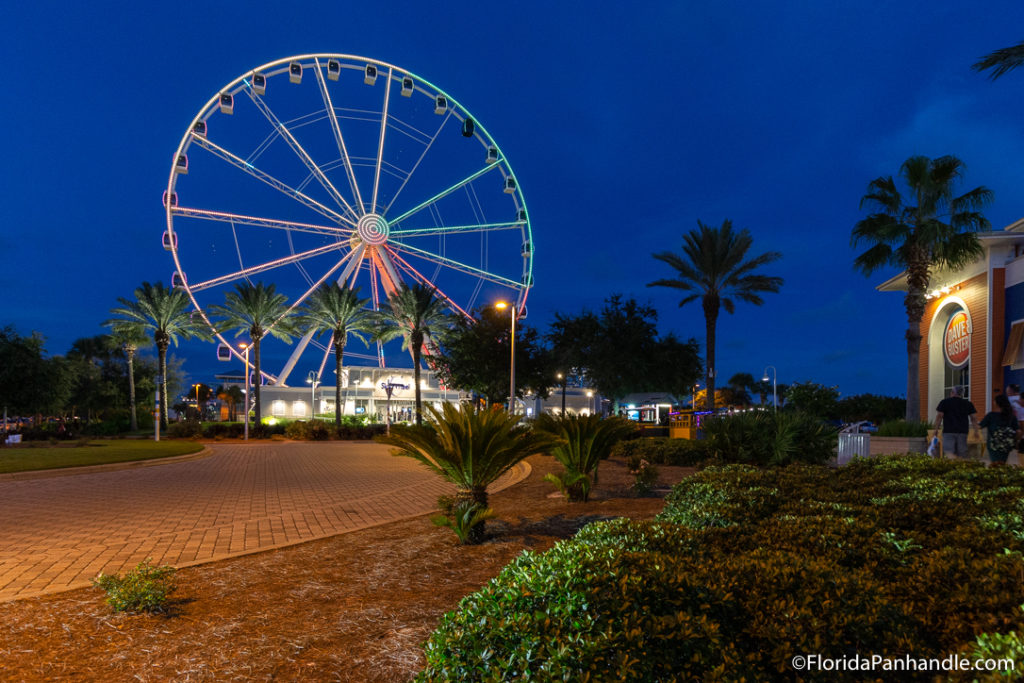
957	414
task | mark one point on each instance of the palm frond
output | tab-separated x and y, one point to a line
1001	61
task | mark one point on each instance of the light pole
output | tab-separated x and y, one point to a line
501	306
693	397
775	378
313	379
245	348
590	402
565	380
199	413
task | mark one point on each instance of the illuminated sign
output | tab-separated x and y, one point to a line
956	342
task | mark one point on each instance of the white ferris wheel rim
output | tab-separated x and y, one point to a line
371	228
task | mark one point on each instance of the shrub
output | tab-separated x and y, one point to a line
585	440
905	429
143	589
644	475
224	430
184	430
461	517
297	430
663	451
747	566
770	438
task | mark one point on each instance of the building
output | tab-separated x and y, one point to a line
972	331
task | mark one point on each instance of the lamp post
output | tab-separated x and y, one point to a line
245	349
565	380
775	377
590	402
313	379
199	414
501	306
693	397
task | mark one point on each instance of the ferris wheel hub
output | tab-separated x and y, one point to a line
373	229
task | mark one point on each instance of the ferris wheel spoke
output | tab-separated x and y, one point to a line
417	275
380	142
417	164
441	195
299	150
278	185
454	265
353	258
263	267
259	222
452	229
338	138
390	280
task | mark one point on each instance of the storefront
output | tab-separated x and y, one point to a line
973	326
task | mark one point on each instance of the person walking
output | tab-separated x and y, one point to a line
1002	430
958	415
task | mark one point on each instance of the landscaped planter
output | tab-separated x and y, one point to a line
887	445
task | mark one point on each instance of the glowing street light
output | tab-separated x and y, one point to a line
501	306
313	379
245	348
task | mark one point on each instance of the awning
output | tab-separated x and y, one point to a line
1013	344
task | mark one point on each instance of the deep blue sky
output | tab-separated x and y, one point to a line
625	126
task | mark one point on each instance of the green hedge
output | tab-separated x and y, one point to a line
770	438
746	568
905	429
663	451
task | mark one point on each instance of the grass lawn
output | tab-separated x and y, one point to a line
26	458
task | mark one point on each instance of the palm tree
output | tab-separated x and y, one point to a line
259	310
937	231
128	339
471	448
338	309
1001	61
586	441
712	267
414	314
162	314
741	384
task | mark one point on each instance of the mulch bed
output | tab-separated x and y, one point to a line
355	607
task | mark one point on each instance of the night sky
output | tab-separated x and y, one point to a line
624	125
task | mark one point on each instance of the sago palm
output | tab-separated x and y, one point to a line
469	447
714	267
257	310
163	315
586	441
336	309
929	227
415	314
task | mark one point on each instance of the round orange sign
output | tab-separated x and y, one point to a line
956	342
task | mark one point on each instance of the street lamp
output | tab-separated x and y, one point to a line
501	306
565	381
245	349
313	379
693	396
590	402
199	414
775	377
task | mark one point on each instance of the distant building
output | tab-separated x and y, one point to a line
973	326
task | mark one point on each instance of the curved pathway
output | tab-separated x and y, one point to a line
58	533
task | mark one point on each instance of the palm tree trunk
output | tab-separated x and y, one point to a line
711	305
162	351
130	353
339	352
416	350
256	382
914	303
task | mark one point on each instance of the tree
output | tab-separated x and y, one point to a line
30	383
128	340
571	340
813	399
741	384
162	314
937	230
877	409
94	379
232	396
476	352
712	267
415	314
1001	61
469	447
337	309
259	310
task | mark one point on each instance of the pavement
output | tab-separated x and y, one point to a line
59	532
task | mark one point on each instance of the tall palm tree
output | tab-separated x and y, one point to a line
1001	61
937	230
259	310
741	384
128	338
162	314
714	267
338	309
414	314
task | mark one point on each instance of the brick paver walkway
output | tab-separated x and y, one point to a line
58	533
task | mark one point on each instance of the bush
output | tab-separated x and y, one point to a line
585	440
143	589
224	430
663	451
770	438
184	430
297	430
747	566
905	429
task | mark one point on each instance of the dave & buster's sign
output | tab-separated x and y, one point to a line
956	342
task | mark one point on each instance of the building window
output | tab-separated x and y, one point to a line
299	409
277	408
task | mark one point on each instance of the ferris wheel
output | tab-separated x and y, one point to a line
338	168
